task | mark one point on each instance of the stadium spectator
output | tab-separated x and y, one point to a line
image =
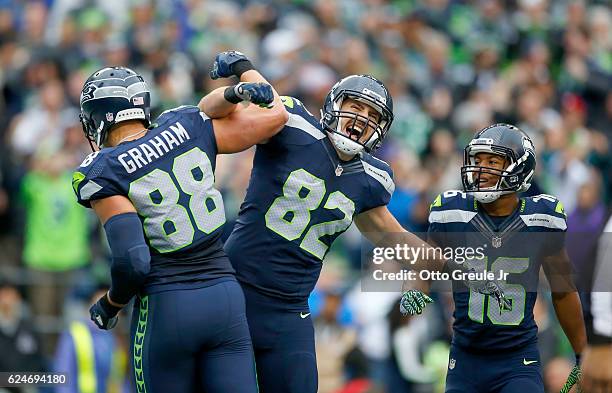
95	360
21	346
333	342
56	239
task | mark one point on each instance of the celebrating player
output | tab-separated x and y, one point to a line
309	182
152	186
493	349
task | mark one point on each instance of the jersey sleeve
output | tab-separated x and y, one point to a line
94	179
548	215
295	107
302	127
448	211
435	230
380	181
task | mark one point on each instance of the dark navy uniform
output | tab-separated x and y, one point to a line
493	351
300	198
189	319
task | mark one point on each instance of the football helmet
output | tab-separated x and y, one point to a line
509	142
370	91
112	95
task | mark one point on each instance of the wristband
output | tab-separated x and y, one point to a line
108	308
241	67
230	95
577	359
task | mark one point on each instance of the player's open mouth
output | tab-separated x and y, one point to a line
353	132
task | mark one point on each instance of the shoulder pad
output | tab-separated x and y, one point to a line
453	199
92	180
543	211
379	170
301	119
452	206
168	114
293	105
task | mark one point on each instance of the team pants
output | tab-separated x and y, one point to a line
283	340
193	340
518	371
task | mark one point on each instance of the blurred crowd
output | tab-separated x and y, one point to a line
452	68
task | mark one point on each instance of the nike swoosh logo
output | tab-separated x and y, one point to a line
304	315
528	362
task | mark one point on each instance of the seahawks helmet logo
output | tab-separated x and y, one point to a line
88	92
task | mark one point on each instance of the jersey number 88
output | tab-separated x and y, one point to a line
156	197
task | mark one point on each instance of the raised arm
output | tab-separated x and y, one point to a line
242	127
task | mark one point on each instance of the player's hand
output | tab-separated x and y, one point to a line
257	93
492	288
223	67
413	302
485	287
104	314
573	378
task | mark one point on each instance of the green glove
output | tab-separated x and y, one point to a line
413	302
573	378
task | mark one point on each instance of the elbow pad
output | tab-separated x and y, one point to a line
131	259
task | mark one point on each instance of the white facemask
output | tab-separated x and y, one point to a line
345	144
487	196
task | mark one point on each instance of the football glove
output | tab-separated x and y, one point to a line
413	302
230	63
485	287
257	93
573	378
104	314
492	288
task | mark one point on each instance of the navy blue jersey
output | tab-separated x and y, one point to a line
515	245
168	175
301	196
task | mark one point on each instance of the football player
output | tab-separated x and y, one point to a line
494	349
152	186
309	183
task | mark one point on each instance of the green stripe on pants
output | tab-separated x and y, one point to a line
139	337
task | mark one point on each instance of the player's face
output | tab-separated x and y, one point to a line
359	128
493	161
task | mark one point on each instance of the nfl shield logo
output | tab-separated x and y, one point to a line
451	364
109	116
496	241
138	100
